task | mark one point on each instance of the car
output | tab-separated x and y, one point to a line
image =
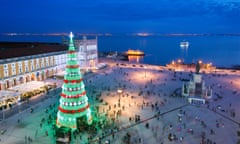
219	107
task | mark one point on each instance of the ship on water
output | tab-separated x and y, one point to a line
184	44
135	53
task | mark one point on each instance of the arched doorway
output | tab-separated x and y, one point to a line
7	84
32	77
47	73
38	76
21	80
14	82
27	78
42	75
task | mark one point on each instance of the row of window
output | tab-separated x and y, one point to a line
48	62
60	59
88	57
92	56
88	48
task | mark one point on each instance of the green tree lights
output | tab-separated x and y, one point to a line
73	101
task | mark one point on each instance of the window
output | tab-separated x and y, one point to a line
47	61
13	68
5	66
6	73
32	65
93	56
51	60
60	59
19	67
26	66
81	48
91	47
14	71
42	63
37	64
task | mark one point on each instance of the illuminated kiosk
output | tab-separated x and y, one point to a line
195	89
73	104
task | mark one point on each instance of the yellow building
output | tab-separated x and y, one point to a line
21	62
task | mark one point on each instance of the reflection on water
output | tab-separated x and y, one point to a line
135	59
184	52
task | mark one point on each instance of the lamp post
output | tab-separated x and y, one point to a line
19	104
145	71
119	91
19	108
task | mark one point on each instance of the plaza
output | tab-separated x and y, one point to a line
143	106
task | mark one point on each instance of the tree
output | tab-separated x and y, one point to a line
73	103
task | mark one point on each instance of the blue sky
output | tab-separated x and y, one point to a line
120	16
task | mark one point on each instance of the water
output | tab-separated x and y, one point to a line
222	51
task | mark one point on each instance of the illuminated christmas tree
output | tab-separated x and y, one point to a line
73	103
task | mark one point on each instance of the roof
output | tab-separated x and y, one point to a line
20	49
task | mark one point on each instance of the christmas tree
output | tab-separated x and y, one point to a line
73	103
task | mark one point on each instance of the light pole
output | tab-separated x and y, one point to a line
19	103
145	71
119	91
19	108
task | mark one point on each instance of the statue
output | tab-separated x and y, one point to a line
197	68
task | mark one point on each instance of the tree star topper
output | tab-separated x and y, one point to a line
71	35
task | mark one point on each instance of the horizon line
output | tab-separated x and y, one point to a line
141	34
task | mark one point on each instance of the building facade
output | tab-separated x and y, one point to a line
21	62
87	52
30	62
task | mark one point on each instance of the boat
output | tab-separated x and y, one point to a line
135	53
184	44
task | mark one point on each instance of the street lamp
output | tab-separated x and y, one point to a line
19	104
145	71
119	91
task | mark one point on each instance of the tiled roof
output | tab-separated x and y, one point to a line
20	49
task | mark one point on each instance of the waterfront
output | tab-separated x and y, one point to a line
221	51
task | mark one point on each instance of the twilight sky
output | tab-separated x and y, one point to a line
120	16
